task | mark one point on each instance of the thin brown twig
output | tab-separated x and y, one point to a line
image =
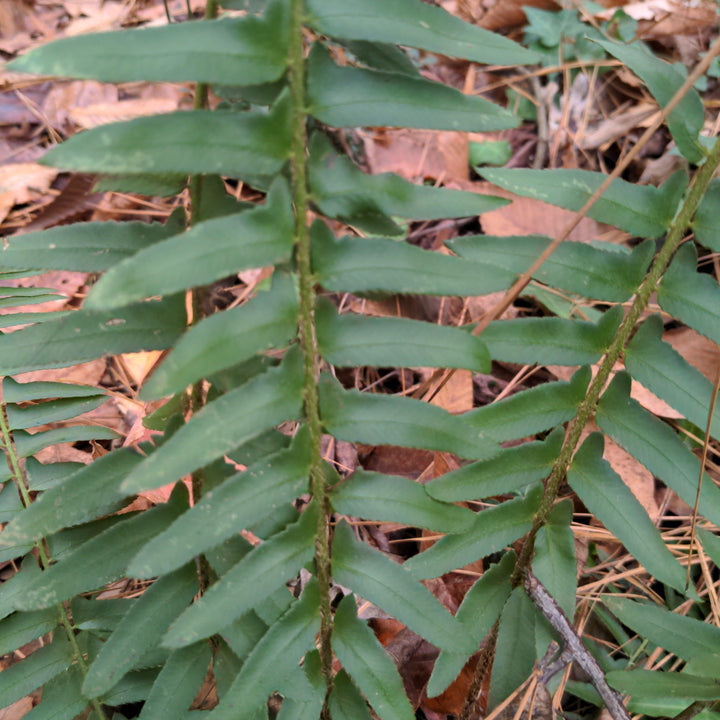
703	460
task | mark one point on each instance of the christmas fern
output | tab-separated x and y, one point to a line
255	386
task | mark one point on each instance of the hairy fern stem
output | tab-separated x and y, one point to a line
588	405
308	337
20	480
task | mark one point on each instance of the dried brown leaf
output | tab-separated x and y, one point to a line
507	14
26	182
526	216
66	98
17	710
73	199
696	349
456	395
647	399
418	155
107	112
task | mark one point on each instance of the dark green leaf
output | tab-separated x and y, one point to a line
82	247
61	697
303	690
368	664
223	425
25	293
655	445
650	684
611	501
410	22
394	420
15	551
65	542
663	371
86	335
381	56
218	51
20	628
141	629
134	687
206	252
260	572
683	636
162	185
391	498
198	141
346	701
275	656
14	301
23	318
576	267
228	338
512	469
489	152
492	531
388	585
244	633
705	224
663	80
178	683
90	492
347	340
349	97
531	411
21	418
16	392
237	503
27	444
10	505
554	563
353	264
340	189
690	296
641	210
515	652
101	559
710	543
480	608
99	615
44	477
35	670
15	587
551	341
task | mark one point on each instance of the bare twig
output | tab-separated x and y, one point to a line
573	646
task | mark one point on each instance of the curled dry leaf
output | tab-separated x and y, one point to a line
507	14
418	155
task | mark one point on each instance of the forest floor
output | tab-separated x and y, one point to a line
581	110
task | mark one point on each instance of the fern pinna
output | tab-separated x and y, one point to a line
255	386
